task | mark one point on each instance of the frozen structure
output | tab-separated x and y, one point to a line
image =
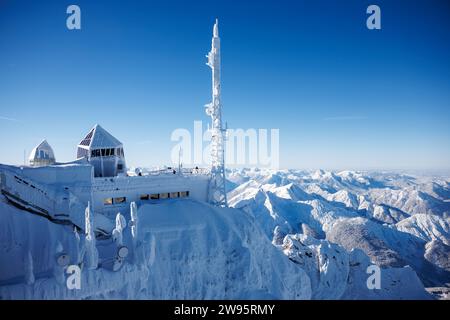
217	192
99	175
42	155
162	239
103	151
61	191
87	195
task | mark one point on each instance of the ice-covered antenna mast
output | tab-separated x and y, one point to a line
217	191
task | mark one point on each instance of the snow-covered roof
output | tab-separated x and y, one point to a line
99	138
43	151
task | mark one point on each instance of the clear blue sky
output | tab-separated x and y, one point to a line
341	95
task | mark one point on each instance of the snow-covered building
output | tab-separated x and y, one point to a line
98	177
103	151
42	155
61	191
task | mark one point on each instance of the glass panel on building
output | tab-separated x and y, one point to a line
184	194
120	200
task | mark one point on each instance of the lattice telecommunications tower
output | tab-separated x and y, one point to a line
217	191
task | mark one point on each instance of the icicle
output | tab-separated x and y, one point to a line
78	247
91	250
134	220
117	232
134	233
29	268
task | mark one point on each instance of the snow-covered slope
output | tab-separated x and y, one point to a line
427	227
338	274
397	220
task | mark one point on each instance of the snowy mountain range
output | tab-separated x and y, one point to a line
398	221
287	234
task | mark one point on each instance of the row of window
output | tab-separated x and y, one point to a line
111	201
42	154
107	152
153	196
165	195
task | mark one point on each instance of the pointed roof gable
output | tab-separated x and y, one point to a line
99	138
47	151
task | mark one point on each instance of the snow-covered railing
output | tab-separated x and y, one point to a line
171	170
26	193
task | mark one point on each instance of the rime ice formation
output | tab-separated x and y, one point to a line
163	234
281	240
91	249
217	191
190	250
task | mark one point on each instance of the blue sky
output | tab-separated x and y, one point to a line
343	97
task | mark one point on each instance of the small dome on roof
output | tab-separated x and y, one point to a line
42	155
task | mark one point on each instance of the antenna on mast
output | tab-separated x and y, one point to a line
217	190
180	153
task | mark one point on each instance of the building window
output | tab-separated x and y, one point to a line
108	201
184	194
144	196
120	166
154	196
103	152
95	153
174	194
81	153
120	200
164	195
112	152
